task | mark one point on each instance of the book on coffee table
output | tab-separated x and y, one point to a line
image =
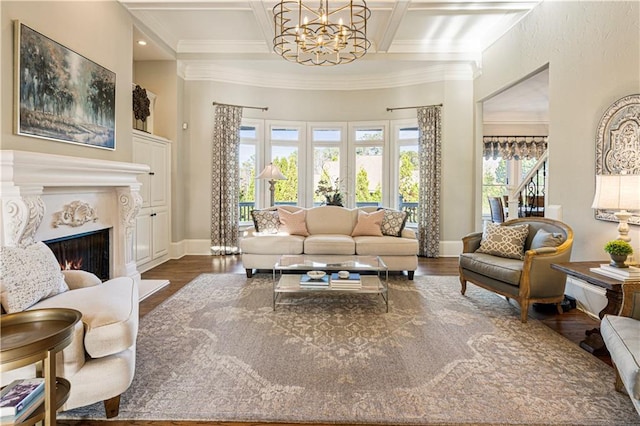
307	281
352	283
354	278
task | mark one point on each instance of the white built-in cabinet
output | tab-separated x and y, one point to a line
153	223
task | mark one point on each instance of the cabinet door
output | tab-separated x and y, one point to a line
159	168
142	155
160	232
143	237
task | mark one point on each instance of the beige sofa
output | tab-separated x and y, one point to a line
330	231
100	360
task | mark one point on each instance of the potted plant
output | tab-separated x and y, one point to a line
618	250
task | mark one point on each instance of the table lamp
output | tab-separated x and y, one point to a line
620	193
272	173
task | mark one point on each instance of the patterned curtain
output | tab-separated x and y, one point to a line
430	154
225	178
514	147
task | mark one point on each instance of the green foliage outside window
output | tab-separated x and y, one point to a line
287	190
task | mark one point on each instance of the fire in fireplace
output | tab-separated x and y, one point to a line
88	251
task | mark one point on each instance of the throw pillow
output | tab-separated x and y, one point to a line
368	224
293	223
546	239
393	222
29	275
266	221
504	241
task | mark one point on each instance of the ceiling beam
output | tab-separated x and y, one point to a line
264	19
397	15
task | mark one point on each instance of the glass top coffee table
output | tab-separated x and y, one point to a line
368	275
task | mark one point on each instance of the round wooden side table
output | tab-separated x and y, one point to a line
36	336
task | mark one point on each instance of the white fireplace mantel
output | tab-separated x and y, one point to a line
34	186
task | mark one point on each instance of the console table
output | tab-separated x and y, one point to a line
613	287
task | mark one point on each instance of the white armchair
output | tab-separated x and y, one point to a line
621	334
100	361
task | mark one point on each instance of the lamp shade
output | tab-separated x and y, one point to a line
271	172
617	192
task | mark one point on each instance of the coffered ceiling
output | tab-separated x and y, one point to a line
413	41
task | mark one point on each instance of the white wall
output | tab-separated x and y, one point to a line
100	31
593	52
360	105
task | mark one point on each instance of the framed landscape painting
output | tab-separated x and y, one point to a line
61	95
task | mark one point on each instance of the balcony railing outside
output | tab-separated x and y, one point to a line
411	208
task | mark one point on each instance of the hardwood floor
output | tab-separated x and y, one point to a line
571	325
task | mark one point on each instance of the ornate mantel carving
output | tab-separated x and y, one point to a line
75	214
21	217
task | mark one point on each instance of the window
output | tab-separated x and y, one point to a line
327	185
407	175
286	144
366	163
494	181
368	171
249	137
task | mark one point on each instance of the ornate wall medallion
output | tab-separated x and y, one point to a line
618	145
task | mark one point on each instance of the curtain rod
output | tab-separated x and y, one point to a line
242	106
411	107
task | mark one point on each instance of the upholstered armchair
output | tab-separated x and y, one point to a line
621	335
513	259
100	360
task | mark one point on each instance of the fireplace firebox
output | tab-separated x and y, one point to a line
88	251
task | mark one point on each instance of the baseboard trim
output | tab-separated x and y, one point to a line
147	287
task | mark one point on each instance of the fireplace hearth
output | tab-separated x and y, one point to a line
88	251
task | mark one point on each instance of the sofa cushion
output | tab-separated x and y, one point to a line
331	220
293	223
109	314
504	241
543	238
28	275
266	221
329	244
368	224
385	246
622	337
273	244
393	222
496	267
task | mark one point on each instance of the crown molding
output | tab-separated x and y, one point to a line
207	71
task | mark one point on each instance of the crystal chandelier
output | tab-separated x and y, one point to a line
321	36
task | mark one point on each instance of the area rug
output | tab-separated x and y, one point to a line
217	351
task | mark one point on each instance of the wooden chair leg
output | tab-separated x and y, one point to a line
619	386
410	275
249	273
463	285
524	311
559	308
112	406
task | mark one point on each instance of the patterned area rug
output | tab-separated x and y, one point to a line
217	351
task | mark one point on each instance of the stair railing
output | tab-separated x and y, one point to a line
528	198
